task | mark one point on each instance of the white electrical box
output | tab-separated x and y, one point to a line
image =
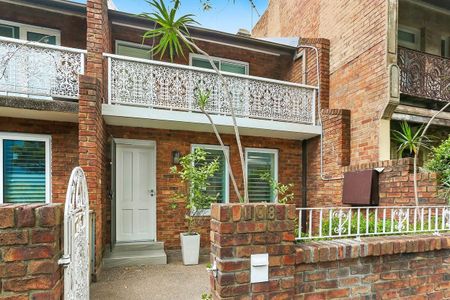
259	271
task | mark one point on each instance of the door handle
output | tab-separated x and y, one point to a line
152	193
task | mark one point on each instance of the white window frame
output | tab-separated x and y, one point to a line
29	137
135	45
25	28
412	30
220	60
207	212
265	150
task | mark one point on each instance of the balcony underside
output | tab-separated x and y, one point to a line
38	108
192	121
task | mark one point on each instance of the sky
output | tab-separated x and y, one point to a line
225	15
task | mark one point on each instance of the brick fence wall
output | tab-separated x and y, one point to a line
405	267
408	267
30	246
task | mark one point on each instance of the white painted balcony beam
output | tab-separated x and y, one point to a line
118	115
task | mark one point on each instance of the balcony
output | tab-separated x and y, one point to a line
424	75
35	69
147	93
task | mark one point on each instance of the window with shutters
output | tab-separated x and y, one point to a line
218	184
226	65
25	168
260	162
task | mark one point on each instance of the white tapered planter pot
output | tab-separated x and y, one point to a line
190	248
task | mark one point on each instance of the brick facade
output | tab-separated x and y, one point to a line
64	140
171	222
30	246
358	68
260	63
396	267
71	27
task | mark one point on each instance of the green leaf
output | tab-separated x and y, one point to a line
171	31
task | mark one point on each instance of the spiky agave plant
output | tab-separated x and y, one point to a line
172	34
409	139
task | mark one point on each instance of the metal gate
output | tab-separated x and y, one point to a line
76	238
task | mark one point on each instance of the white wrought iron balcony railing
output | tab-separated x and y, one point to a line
36	69
345	222
162	85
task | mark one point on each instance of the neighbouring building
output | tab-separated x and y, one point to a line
389	62
78	87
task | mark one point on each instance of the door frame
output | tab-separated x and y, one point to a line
150	144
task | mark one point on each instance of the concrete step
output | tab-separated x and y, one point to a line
135	254
138	246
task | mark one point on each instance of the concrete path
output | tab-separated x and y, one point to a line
159	282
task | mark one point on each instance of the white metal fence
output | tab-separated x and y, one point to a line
30	68
342	222
155	84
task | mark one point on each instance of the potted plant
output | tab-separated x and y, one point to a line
194	171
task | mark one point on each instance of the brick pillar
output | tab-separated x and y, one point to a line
239	230
323	47
30	246
92	129
98	37
91	154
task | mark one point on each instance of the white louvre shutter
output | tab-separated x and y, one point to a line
24	177
259	163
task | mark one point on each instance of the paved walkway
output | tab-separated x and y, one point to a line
171	281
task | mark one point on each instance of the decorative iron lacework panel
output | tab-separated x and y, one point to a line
170	87
424	75
39	70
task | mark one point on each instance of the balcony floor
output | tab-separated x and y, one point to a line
178	120
38	108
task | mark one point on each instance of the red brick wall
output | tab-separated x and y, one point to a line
358	70
237	231
73	28
336	132
397	183
64	148
169	222
92	130
91	150
30	246
408	267
260	64
395	267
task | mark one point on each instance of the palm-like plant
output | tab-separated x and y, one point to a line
409	139
172	34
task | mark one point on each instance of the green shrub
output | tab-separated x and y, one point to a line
440	163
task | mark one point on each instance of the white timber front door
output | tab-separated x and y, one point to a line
135	191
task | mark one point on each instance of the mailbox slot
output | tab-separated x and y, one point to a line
259	271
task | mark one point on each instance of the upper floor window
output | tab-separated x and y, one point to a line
133	50
259	163
29	32
226	65
409	37
24	168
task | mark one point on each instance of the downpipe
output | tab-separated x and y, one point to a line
323	177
